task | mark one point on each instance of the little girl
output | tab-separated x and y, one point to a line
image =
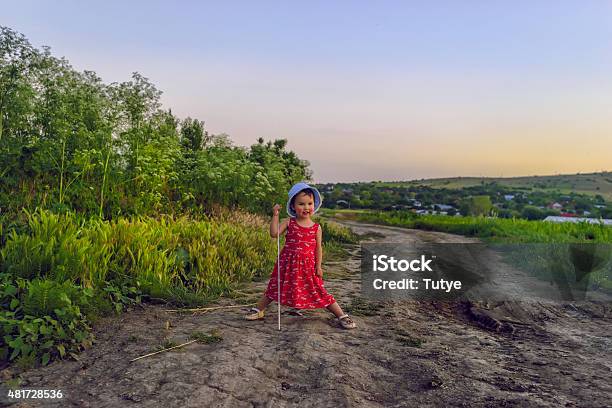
301	275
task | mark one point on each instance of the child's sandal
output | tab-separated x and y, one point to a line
256	314
346	322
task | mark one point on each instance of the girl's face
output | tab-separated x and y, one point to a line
303	205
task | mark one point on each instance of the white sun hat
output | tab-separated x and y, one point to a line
295	190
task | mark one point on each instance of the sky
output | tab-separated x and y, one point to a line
372	90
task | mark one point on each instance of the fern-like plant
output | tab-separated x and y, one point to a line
44	296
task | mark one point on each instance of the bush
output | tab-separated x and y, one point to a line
39	321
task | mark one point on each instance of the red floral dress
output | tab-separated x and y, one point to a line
301	288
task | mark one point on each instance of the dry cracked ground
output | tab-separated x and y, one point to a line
403	354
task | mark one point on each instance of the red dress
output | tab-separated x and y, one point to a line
301	288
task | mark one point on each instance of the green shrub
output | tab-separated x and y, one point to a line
334	232
63	271
39	322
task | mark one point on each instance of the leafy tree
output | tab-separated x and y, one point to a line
69	141
532	213
606	212
477	205
193	136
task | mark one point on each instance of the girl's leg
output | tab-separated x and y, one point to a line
263	302
261	306
346	321
335	309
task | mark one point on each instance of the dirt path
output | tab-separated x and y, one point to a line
406	354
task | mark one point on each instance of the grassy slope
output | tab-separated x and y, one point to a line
586	183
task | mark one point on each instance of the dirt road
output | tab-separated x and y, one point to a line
403	354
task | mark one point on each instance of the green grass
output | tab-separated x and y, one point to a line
158	256
61	272
336	233
213	337
363	307
407	339
499	230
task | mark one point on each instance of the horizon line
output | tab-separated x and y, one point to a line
466	177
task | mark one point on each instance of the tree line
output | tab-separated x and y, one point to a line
70	142
484	199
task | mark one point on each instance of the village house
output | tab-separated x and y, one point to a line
443	207
415	202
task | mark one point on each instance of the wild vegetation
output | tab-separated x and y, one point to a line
106	200
69	141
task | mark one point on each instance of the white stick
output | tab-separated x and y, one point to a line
278	268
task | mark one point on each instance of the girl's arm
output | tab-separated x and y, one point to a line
274	222
319	252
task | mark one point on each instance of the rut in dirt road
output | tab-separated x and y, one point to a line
407	354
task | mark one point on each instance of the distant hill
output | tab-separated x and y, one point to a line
586	183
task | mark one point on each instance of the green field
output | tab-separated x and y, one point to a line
498	230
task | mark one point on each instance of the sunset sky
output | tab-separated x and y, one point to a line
374	90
